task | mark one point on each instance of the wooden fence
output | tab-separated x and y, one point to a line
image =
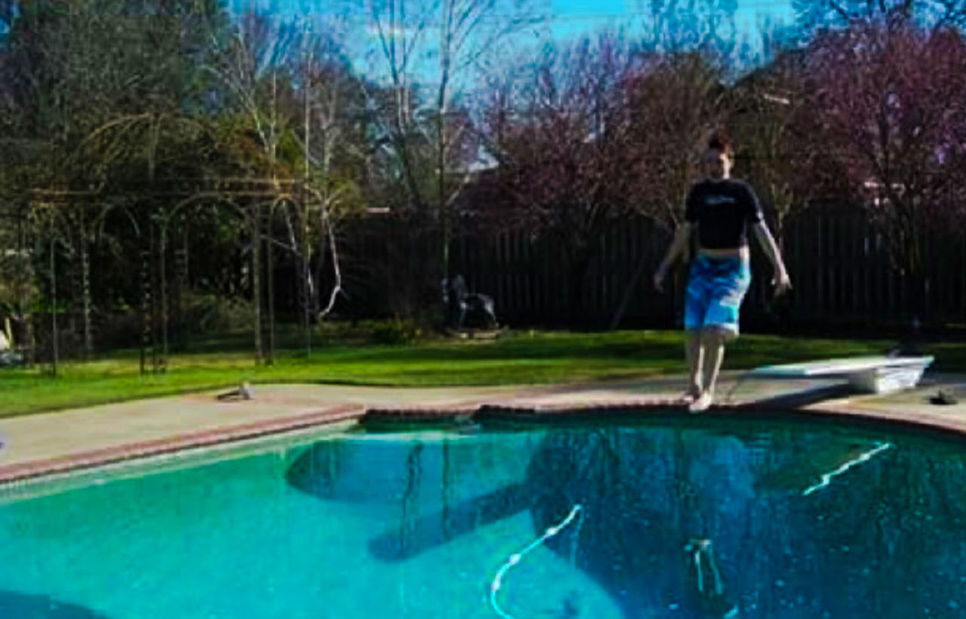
838	264
843	282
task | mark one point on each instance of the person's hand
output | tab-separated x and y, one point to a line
781	281
659	277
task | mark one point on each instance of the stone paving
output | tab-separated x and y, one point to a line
42	444
911	407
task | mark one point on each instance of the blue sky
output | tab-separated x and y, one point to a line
566	20
568	17
575	17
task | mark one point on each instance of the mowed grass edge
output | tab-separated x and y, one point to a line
516	359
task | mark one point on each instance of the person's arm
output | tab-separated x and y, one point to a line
679	247
781	279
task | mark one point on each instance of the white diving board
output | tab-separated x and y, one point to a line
866	374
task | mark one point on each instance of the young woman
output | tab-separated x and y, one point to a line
720	210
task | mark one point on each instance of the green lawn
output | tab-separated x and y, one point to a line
521	358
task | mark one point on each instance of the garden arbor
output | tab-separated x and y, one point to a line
153	219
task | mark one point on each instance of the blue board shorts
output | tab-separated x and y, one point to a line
716	288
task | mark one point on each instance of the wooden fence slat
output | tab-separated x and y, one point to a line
838	263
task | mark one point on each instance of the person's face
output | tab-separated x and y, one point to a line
717	164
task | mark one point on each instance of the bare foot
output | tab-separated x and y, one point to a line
701	404
692	394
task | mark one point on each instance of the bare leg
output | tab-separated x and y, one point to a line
712	342
694	354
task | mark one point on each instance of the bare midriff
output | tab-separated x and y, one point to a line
726	252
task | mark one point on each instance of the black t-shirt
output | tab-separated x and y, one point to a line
722	210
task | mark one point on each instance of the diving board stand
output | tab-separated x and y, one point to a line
880	374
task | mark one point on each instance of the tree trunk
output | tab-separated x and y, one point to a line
154	304
336	268
181	267
24	302
271	295
303	298
914	293
307	295
257	281
296	248
53	307
632	285
443	204
145	304
163	285
86	295
320	265
578	272
306	254
914	284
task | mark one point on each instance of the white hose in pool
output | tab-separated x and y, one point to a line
827	477
517	557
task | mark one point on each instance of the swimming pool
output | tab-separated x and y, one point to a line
783	520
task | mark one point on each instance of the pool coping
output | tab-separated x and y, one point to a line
192	440
832	401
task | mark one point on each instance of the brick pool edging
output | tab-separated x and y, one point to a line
351	412
481	410
155	447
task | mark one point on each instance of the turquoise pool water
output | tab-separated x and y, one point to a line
800	521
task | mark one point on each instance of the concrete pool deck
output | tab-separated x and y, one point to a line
50	443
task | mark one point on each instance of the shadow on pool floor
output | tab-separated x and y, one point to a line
23	606
805	519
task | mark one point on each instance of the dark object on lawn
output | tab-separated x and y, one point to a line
910	345
943	398
243	392
462	305
10	358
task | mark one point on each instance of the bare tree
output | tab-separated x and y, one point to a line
333	153
676	26
250	68
568	160
774	128
457	33
672	105
890	96
302	103
813	16
95	85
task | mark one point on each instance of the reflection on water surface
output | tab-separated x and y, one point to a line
706	519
